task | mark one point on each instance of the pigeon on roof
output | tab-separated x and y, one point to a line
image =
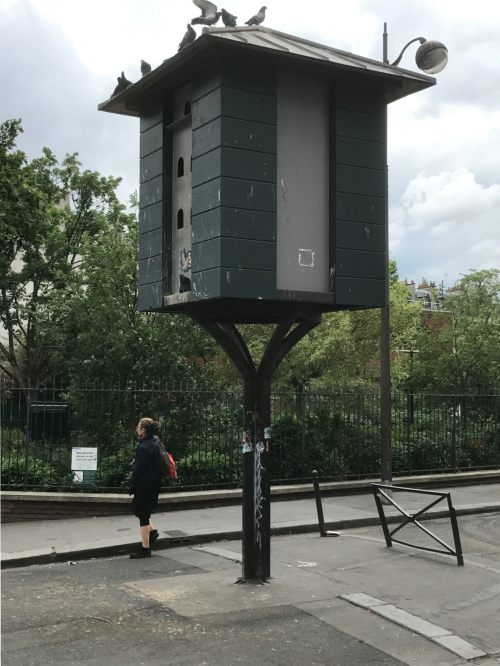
228	19
258	18
188	38
145	67
123	84
209	13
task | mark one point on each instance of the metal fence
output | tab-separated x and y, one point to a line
337	433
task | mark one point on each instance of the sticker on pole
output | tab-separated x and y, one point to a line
246	442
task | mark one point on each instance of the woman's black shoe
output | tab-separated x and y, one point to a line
144	552
153	537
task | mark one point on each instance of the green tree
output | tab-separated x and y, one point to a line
103	336
49	212
459	350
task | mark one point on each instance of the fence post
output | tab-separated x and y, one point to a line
319	507
456	533
381	515
454	435
27	439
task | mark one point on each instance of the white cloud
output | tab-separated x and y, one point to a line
446	224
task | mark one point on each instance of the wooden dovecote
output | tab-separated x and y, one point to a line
263	175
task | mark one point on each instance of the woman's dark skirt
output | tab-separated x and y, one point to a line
145	497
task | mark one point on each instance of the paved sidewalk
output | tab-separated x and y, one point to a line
36	542
347	601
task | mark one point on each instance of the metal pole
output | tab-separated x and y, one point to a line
385	55
385	366
256	513
456	533
263	479
381	515
249	570
319	506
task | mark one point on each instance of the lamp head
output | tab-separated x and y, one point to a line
431	57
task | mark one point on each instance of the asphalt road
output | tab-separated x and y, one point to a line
182	606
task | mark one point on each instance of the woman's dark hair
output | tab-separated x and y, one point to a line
151	427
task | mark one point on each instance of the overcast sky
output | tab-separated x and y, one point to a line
60	58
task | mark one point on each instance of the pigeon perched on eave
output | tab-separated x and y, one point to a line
228	19
209	13
258	18
145	67
188	38
123	84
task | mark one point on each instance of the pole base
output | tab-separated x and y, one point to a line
252	581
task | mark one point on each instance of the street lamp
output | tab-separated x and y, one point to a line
431	58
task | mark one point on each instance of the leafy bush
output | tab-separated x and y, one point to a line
208	467
325	442
40	473
114	470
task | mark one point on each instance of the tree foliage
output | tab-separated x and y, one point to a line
49	213
458	347
68	262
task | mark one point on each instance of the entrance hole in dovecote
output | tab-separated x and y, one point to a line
180	219
187	108
180	167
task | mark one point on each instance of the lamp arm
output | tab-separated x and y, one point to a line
398	59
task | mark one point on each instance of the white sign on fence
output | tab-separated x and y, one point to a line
84	458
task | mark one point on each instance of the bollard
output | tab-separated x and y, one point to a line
319	507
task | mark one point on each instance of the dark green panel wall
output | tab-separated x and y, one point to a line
360	158
360	236
360	292
151	200
234	185
234	253
234	223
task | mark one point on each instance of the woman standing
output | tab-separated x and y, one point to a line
145	483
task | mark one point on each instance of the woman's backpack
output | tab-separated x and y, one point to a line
164	460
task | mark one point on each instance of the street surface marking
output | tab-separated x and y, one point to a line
438	635
220	552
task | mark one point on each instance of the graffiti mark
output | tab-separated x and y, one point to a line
283	189
332	279
258	497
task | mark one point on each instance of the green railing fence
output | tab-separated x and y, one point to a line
337	433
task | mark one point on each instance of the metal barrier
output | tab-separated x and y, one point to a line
378	493
319	507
